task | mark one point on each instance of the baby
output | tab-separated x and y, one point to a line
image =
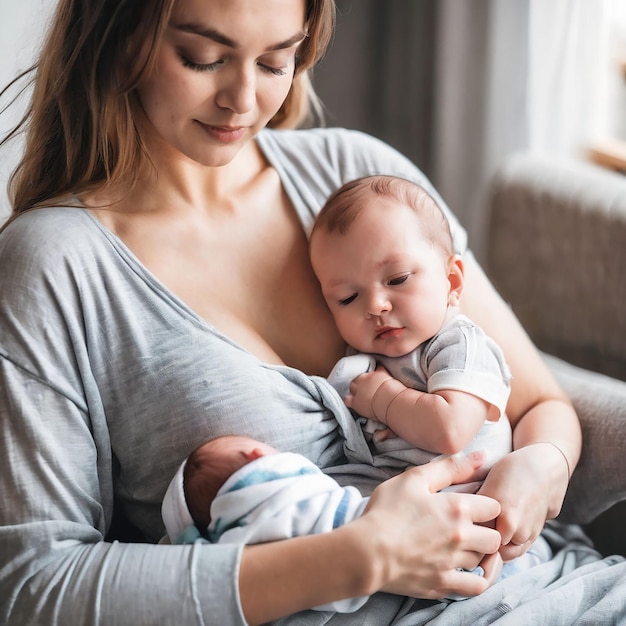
234	489
382	251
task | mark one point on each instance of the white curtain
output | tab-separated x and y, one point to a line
540	75
569	74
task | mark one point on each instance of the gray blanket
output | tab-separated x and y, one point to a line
575	587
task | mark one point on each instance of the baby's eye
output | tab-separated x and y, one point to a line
348	300
399	280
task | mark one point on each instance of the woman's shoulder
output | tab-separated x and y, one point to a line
46	227
326	158
42	241
350	151
335	136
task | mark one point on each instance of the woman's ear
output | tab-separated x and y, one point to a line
456	278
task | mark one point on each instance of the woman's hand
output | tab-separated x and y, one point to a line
410	541
421	538
530	485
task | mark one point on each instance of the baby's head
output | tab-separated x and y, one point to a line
191	492
210	465
344	205
382	251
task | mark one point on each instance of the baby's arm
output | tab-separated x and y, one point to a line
444	422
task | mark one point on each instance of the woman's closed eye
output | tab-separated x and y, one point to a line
211	67
270	69
199	67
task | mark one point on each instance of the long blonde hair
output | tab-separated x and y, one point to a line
80	125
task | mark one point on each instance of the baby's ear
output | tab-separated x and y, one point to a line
254	454
456	278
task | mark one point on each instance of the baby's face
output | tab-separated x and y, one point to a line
386	285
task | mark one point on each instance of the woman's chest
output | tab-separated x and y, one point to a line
171	389
249	276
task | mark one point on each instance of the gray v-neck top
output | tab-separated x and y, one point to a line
108	380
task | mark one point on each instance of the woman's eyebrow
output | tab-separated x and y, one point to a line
214	35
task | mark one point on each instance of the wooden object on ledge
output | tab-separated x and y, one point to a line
610	153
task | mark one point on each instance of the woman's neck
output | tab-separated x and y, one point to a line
172	182
228	243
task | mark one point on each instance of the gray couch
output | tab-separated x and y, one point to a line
557	254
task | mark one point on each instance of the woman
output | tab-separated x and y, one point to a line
160	294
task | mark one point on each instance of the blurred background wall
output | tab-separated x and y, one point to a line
378	74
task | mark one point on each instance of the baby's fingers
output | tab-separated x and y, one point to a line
459	584
492	566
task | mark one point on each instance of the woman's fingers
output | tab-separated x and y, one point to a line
445	471
481	539
524	483
516	537
423	538
462	583
460	467
511	551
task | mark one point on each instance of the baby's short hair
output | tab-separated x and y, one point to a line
343	206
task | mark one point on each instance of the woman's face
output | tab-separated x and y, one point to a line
223	70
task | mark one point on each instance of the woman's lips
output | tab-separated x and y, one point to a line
224	134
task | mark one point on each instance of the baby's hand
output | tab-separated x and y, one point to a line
347	369
363	390
382	434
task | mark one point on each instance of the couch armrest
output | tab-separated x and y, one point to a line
597	492
557	253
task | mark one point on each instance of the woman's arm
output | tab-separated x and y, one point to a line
53	490
409	541
56	498
530	483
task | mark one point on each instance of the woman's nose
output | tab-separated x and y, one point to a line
238	93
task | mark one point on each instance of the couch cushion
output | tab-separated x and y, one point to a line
557	254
